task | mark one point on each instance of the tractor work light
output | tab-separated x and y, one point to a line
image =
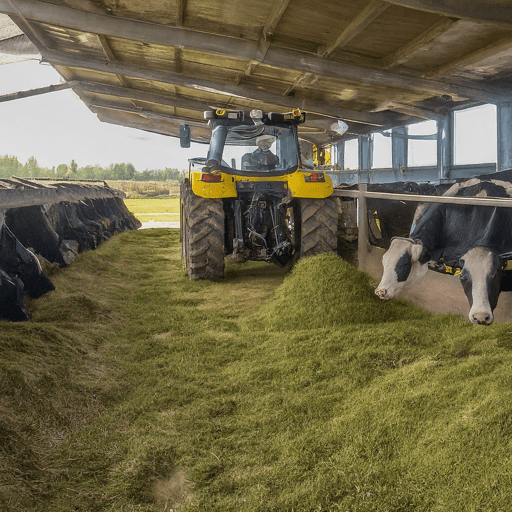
256	114
315	177
211	178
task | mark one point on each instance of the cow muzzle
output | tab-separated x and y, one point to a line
382	294
482	318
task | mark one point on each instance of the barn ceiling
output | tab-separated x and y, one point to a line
156	64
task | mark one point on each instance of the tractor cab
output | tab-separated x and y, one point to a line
253	143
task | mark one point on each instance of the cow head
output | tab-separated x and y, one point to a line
405	264
481	277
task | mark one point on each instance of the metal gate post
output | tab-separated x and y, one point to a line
444	146
362	227
399	149
504	118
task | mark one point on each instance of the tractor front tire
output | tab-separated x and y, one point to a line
202	224
318	226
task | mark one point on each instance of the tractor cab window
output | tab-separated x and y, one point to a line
260	149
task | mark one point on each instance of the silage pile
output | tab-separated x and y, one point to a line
326	291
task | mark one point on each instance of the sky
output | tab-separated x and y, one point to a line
57	127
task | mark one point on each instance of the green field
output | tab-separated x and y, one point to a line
155	206
134	389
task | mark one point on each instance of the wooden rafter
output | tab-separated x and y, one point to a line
499	13
303	80
361	21
143	112
410	110
168	126
408	50
150	97
111	57
503	45
36	36
239	48
276	13
323	108
180	11
178	53
35	92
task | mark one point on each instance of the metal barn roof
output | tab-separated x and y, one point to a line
156	64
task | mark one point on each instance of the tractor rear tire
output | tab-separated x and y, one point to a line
318	226
202	235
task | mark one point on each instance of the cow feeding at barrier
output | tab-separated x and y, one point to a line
474	242
47	223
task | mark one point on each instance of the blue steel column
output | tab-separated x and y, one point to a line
444	146
340	160
365	158
399	149
504	118
340	154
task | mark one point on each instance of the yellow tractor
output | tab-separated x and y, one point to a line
252	197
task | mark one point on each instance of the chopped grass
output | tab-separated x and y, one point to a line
135	389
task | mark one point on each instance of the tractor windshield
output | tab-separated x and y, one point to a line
267	150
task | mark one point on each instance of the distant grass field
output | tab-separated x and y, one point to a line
155	206
135	389
137	189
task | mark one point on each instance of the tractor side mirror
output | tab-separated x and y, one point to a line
184	135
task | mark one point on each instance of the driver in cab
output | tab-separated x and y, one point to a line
262	158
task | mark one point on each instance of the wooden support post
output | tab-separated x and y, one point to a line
362	225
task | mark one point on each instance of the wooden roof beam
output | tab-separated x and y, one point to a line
498	13
111	57
361	21
164	127
323	108
275	15
303	80
35	92
410	110
150	97
240	48
178	56
503	45
180	11
408	50
146	113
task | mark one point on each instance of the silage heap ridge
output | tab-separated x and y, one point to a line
326	291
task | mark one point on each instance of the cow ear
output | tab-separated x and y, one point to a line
419	253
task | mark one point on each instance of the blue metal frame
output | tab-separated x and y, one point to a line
445	169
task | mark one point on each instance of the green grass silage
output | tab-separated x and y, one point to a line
135	389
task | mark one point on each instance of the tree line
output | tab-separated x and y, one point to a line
11	166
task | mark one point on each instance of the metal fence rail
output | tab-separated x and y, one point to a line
362	222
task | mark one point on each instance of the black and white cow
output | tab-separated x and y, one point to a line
476	239
20	274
